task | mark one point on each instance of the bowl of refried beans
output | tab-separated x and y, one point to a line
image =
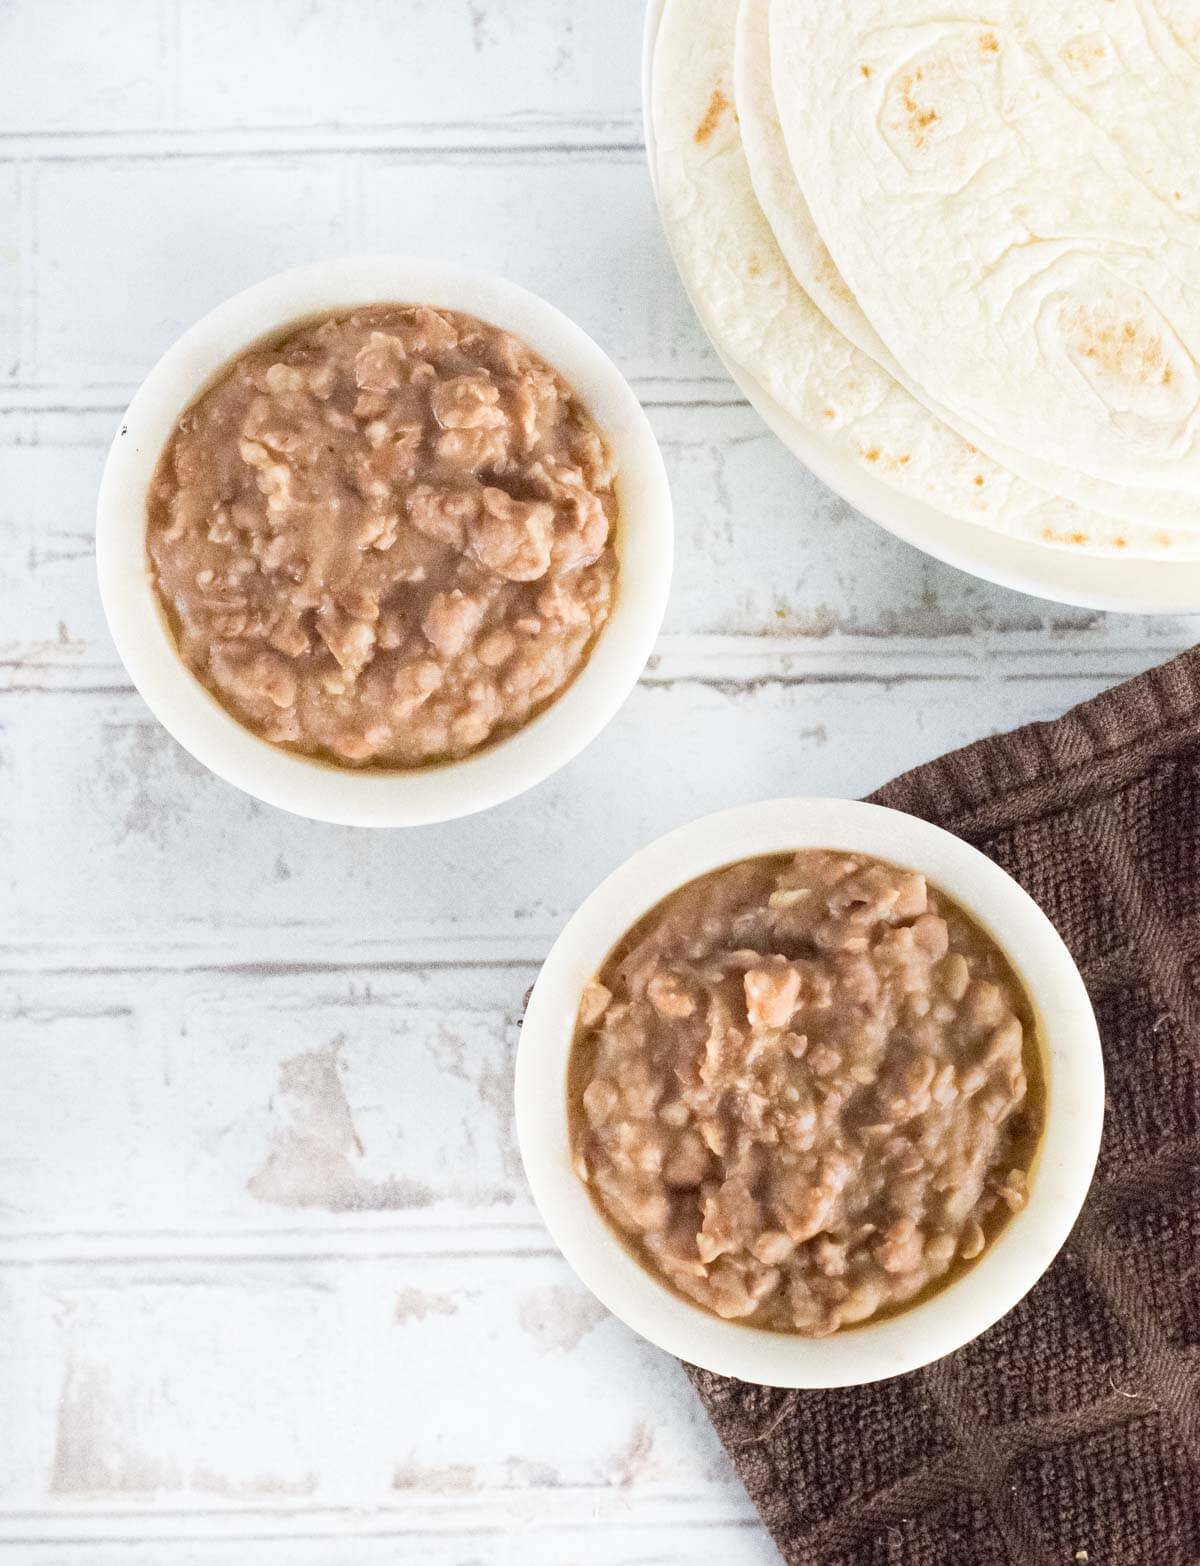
809	1093
384	542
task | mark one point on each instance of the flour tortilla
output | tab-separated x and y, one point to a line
1019	259
761	318
787	211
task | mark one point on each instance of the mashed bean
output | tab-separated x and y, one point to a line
800	1088
388	539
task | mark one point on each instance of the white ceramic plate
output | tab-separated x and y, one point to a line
1088	581
1062	1168
375	796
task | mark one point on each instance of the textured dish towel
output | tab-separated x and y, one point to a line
1069	1432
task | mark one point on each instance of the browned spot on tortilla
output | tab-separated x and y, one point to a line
754	266
1168	375
1118	543
1163	540
989	43
865	69
829	413
920	119
884	461
717	105
1130	350
1086	55
1052	537
979	480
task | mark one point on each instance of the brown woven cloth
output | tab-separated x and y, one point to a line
1069	1432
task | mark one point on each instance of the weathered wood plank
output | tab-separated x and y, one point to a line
618	1542
435	69
62	70
115	847
582	229
217	226
265	1102
309	1383
13	271
53	618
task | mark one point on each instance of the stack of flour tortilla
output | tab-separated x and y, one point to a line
963	247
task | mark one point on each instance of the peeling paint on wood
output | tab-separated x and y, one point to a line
413	1305
559	1318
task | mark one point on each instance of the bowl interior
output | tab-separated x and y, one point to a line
1012	1262
379	797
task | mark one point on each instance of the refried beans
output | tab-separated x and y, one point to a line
804	1088
387	538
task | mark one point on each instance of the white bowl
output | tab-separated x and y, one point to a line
379	797
1087	581
1062	1170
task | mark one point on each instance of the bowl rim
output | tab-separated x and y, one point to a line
1139	585
1011	1264
308	786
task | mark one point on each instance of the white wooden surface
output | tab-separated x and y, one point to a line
271	1286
